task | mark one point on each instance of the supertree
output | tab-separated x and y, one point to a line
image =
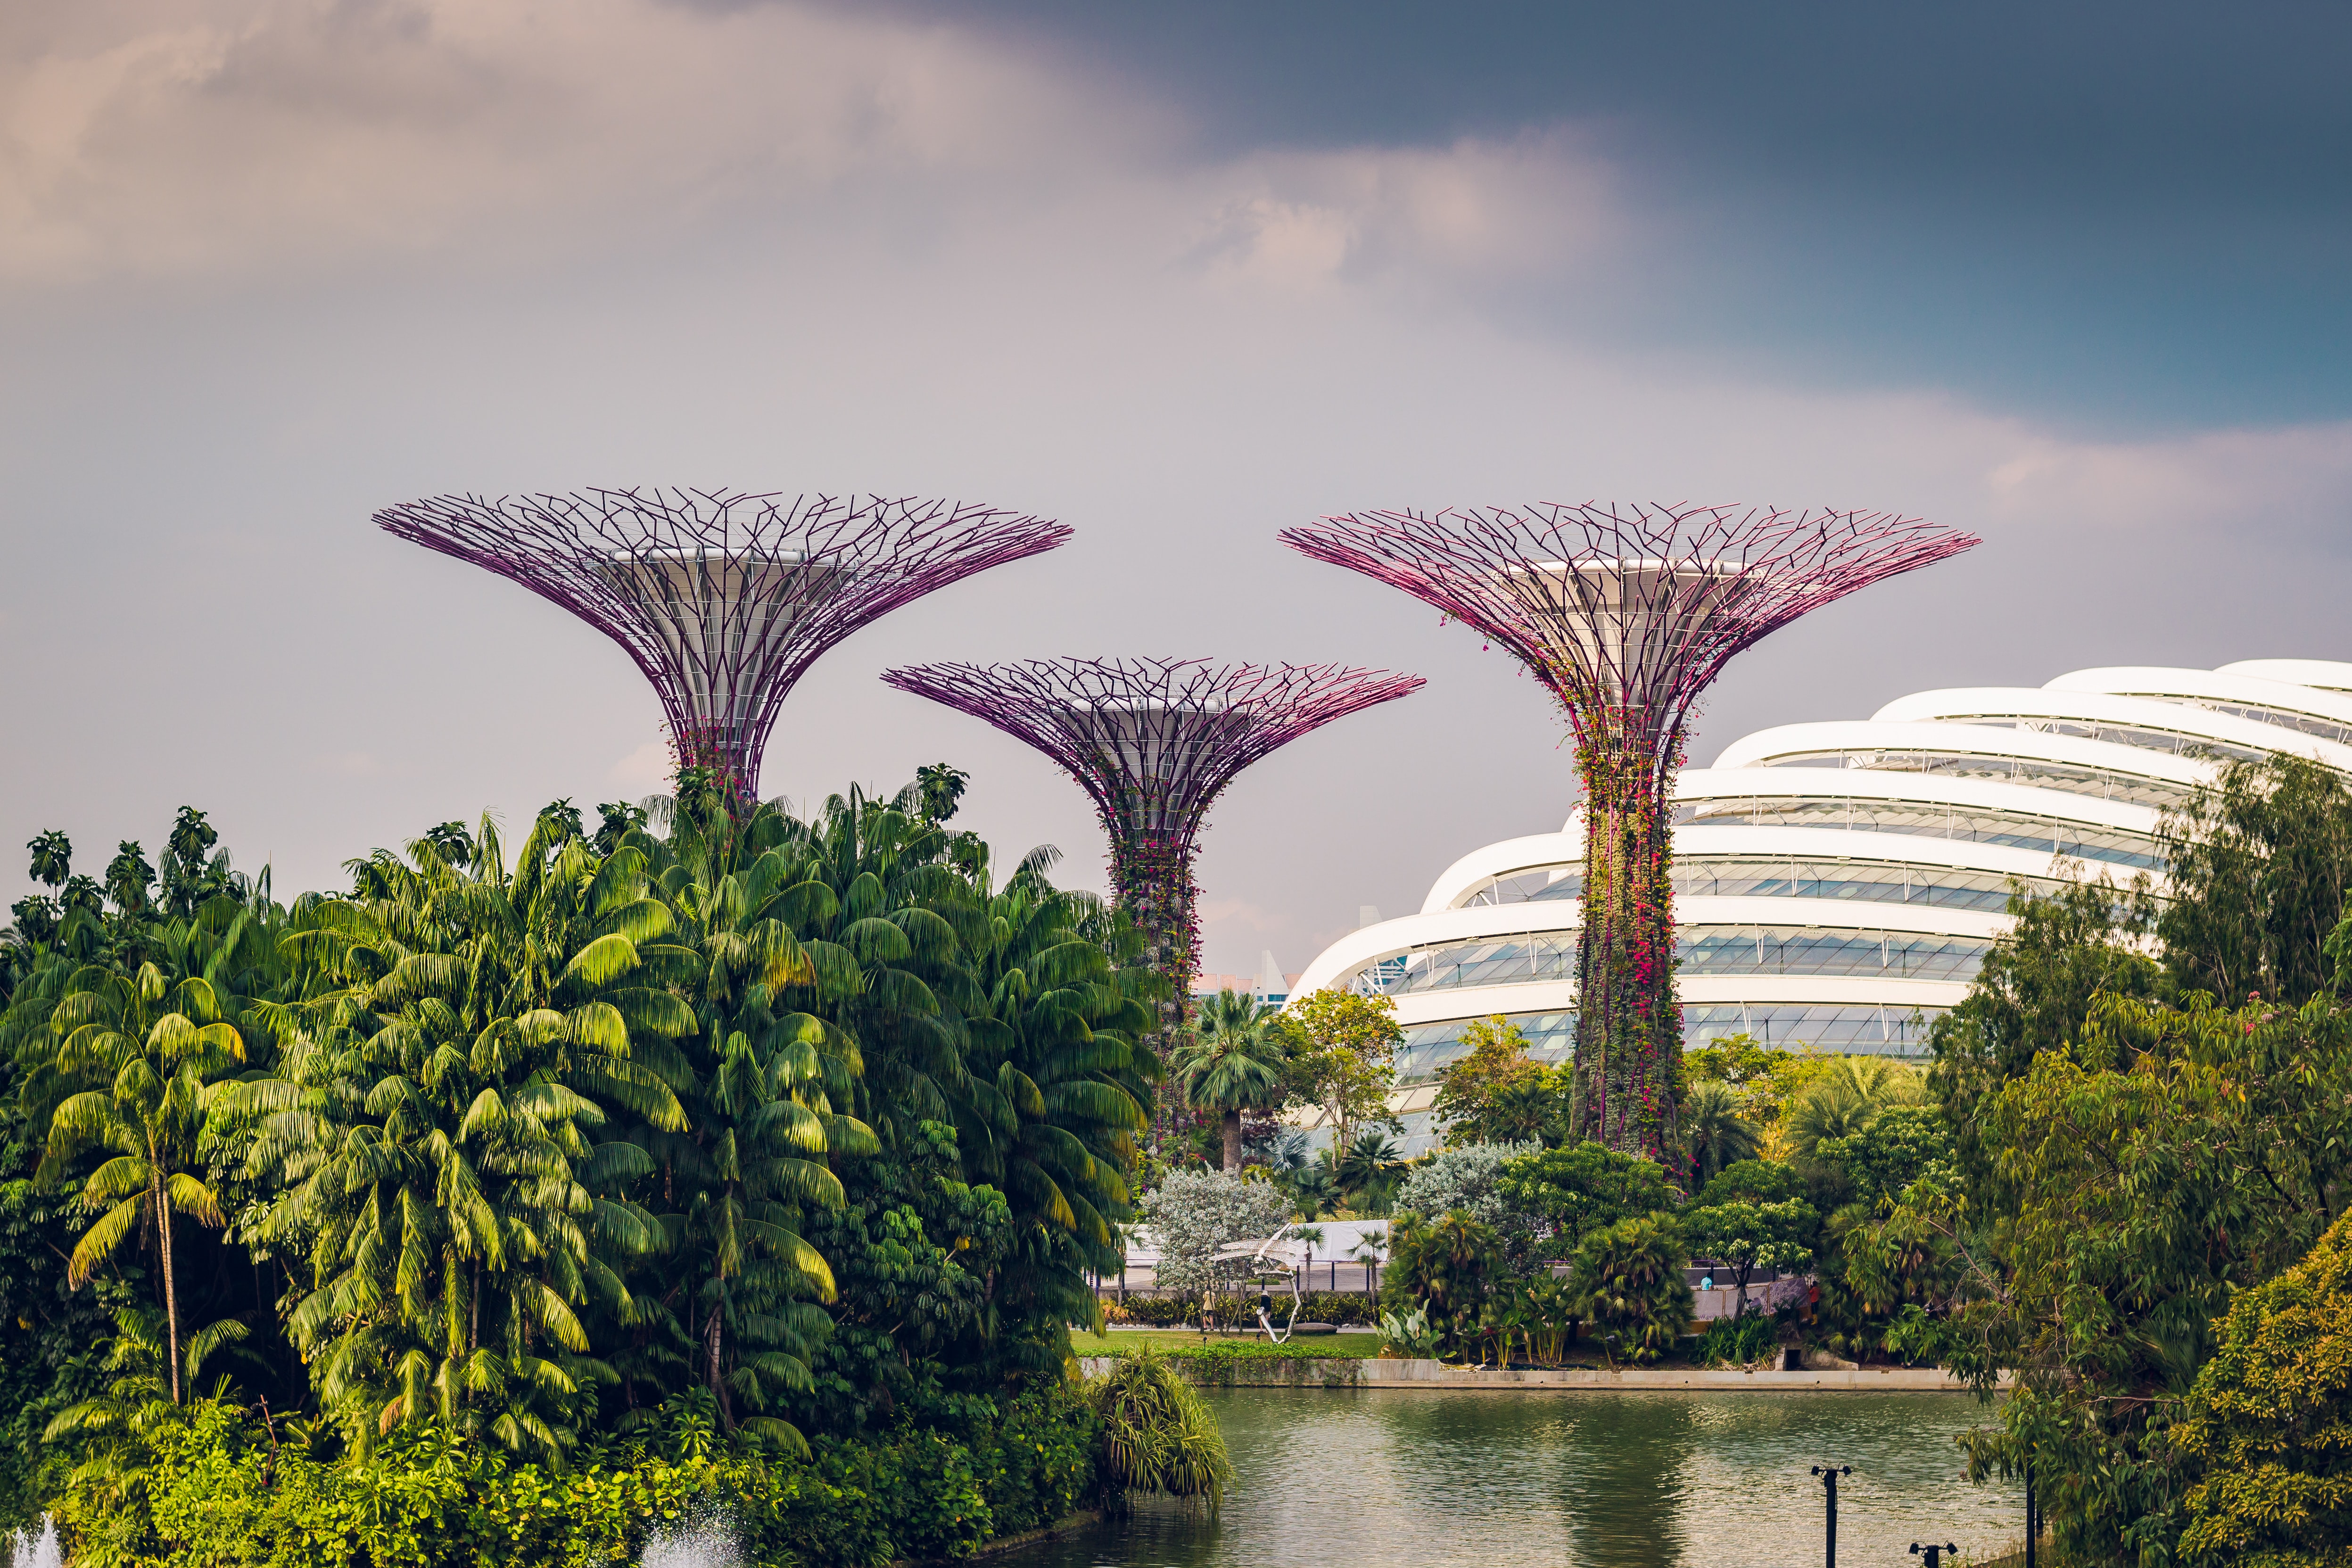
724	599
1627	612
1153	743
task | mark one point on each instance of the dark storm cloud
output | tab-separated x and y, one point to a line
2119	215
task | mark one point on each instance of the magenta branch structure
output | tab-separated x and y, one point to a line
1627	612
723	598
1153	743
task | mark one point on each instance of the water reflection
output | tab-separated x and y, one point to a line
1397	1478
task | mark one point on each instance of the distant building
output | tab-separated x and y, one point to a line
1268	984
1839	884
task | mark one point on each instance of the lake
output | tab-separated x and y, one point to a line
1371	1478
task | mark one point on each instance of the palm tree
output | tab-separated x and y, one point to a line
1313	1188
1370	1172
1063	1037
161	1047
1232	1062
1713	1132
1848	1097
457	1032
759	1081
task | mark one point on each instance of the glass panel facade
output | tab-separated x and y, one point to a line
2283	718
1825	1026
1802	949
2100	784
2018	830
2178	743
1704	950
1758	876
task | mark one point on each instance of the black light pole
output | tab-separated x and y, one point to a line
1830	1474
2032	1516
1934	1554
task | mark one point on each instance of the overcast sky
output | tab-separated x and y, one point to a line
2078	279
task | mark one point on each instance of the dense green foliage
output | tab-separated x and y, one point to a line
2268	1422
808	1131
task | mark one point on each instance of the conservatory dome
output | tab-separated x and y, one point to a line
1839	884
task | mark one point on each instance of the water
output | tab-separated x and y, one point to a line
1373	1477
39	1549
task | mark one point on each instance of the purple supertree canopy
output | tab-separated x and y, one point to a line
1153	741
1627	612
724	599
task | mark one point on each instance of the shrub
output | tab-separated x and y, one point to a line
221	1493
1156	1435
1584	1188
1469	1179
1739	1341
1444	1269
1628	1280
1193	1213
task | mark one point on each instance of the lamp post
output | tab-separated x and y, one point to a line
1830	1474
1934	1554
2032	1517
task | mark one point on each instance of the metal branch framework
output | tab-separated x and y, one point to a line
1153	743
1627	612
723	598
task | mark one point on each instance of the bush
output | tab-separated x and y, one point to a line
1739	1341
1156	1435
1628	1281
1469	1179
219	1492
1347	1309
1584	1188
1193	1213
1444	1269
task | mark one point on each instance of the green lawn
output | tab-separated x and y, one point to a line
1177	1341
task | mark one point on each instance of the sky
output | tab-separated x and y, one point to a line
2074	279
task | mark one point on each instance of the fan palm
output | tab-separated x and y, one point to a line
1848	1097
1370	1172
1713	1132
1232	1062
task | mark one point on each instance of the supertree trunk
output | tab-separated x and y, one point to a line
1627	612
1629	1031
1154	885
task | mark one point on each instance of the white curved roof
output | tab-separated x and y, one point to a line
1813	839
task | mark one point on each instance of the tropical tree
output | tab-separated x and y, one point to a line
1848	1095
1343	1058
460	1034
1232	1061
758	1082
1496	1093
1750	1236
1583	1188
1715	1133
1060	1044
2258	865
1628	1281
1370	1173
162	1047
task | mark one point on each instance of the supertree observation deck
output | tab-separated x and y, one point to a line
1627	612
1153	743
724	599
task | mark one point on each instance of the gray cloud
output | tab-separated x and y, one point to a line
777	246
